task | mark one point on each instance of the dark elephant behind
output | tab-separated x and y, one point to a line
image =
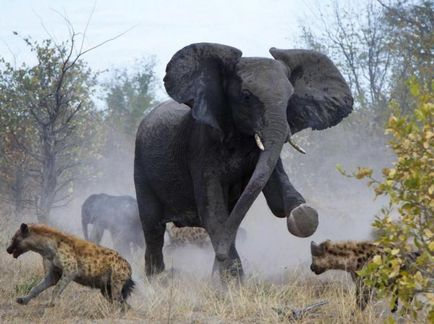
117	214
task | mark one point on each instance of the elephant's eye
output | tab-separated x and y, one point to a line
247	95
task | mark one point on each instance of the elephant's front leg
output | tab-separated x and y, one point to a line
284	200
230	267
212	205
97	233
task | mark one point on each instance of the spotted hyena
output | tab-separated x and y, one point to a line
349	256
68	258
180	236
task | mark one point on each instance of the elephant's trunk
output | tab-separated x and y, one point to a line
273	137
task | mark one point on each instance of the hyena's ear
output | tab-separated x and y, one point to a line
315	249
326	244
24	229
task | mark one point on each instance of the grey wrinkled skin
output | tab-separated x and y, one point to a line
196	159
117	214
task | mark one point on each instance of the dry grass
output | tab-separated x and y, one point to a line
175	297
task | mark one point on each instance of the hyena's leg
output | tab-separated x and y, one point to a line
116	293
363	293
116	285
69	266
52	277
61	285
120	275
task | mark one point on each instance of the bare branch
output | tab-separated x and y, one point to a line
24	148
66	199
14	57
52	37
106	41
87	25
64	184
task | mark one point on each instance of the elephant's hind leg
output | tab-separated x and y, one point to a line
154	234
151	215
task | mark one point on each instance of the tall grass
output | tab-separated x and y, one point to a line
179	297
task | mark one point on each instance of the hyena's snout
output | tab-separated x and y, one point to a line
317	270
14	250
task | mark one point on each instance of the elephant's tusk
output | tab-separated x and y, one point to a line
296	146
259	142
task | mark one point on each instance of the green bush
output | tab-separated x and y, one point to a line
406	224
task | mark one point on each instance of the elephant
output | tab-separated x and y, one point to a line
202	158
117	214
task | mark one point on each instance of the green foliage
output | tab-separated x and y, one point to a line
49	121
407	224
129	95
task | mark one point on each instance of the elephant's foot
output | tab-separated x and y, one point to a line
229	270
303	221
154	264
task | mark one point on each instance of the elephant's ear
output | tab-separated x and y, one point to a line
195	76
321	96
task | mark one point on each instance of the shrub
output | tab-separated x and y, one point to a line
407	223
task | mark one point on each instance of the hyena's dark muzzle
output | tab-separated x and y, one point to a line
14	250
317	270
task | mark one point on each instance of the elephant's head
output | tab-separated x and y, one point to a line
267	99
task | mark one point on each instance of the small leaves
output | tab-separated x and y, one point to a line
363	173
377	260
340	169
409	186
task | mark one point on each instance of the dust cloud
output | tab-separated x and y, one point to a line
346	206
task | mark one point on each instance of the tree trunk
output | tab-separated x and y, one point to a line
49	179
18	190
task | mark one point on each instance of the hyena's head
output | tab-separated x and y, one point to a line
20	241
320	259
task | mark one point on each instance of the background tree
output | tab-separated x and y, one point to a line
411	41
16	185
51	119
128	93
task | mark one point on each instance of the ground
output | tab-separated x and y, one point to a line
181	296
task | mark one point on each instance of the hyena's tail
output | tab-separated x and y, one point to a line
127	288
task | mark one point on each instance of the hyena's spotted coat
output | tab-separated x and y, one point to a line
68	258
180	236
187	235
350	256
